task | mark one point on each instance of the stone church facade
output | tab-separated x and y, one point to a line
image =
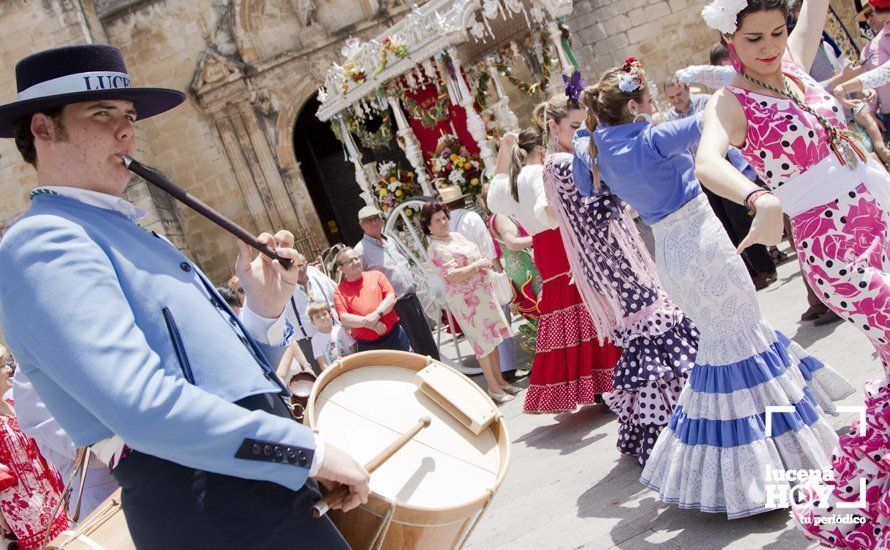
246	141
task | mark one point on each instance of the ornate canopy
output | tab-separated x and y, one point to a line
437	26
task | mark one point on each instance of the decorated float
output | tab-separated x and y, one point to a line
444	84
440	84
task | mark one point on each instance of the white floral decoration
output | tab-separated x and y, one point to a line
722	15
628	82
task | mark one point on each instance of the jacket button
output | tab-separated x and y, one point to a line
267	450
185	267
256	449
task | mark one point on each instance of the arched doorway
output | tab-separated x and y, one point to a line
330	178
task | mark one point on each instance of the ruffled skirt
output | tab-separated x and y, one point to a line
722	449
649	377
570	366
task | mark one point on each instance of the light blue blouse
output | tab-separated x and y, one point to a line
648	166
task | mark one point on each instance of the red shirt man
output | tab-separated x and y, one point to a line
364	301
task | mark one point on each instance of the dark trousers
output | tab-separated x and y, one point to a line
171	506
394	339
413	320
737	222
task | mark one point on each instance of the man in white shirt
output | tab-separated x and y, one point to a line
312	286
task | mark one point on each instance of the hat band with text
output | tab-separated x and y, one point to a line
74	83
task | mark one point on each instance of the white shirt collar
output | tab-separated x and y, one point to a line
99	200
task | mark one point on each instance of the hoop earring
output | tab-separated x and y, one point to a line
646	117
734	58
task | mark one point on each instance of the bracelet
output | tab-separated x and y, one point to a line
751	199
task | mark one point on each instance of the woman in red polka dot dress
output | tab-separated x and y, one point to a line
571	367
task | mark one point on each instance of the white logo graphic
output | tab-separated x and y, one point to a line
813	487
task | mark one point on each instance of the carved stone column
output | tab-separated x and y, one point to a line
255	208
557	86
475	124
501	108
411	146
356	158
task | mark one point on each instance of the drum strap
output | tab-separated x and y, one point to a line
380	535
80	467
478	517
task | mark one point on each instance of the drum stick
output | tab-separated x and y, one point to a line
339	494
154	177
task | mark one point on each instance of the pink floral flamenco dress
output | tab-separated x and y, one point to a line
840	214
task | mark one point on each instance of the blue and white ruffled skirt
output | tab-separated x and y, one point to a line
715	454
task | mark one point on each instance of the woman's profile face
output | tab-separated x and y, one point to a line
760	41
565	129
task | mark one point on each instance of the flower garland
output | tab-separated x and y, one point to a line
481	97
394	186
394	46
455	164
374	141
530	88
352	72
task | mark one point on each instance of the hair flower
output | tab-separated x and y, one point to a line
631	63
722	15
574	85
628	82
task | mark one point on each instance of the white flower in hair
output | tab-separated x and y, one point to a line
721	15
628	82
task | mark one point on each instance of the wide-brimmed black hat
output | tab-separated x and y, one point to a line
72	74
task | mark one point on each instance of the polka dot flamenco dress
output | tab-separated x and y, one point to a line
843	249
616	278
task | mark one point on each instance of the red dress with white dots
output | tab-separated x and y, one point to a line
30	487
842	247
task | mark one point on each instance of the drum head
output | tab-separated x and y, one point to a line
364	410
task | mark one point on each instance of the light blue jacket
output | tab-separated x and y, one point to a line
121	334
648	166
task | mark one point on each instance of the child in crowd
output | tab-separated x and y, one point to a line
331	342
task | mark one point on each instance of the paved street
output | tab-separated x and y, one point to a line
568	487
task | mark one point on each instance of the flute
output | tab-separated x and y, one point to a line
156	178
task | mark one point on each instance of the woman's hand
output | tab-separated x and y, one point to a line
484	264
768	223
509	139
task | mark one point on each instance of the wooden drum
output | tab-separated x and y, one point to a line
430	493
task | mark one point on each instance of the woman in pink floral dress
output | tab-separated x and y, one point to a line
470	295
794	134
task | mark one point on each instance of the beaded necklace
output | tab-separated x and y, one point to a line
844	143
